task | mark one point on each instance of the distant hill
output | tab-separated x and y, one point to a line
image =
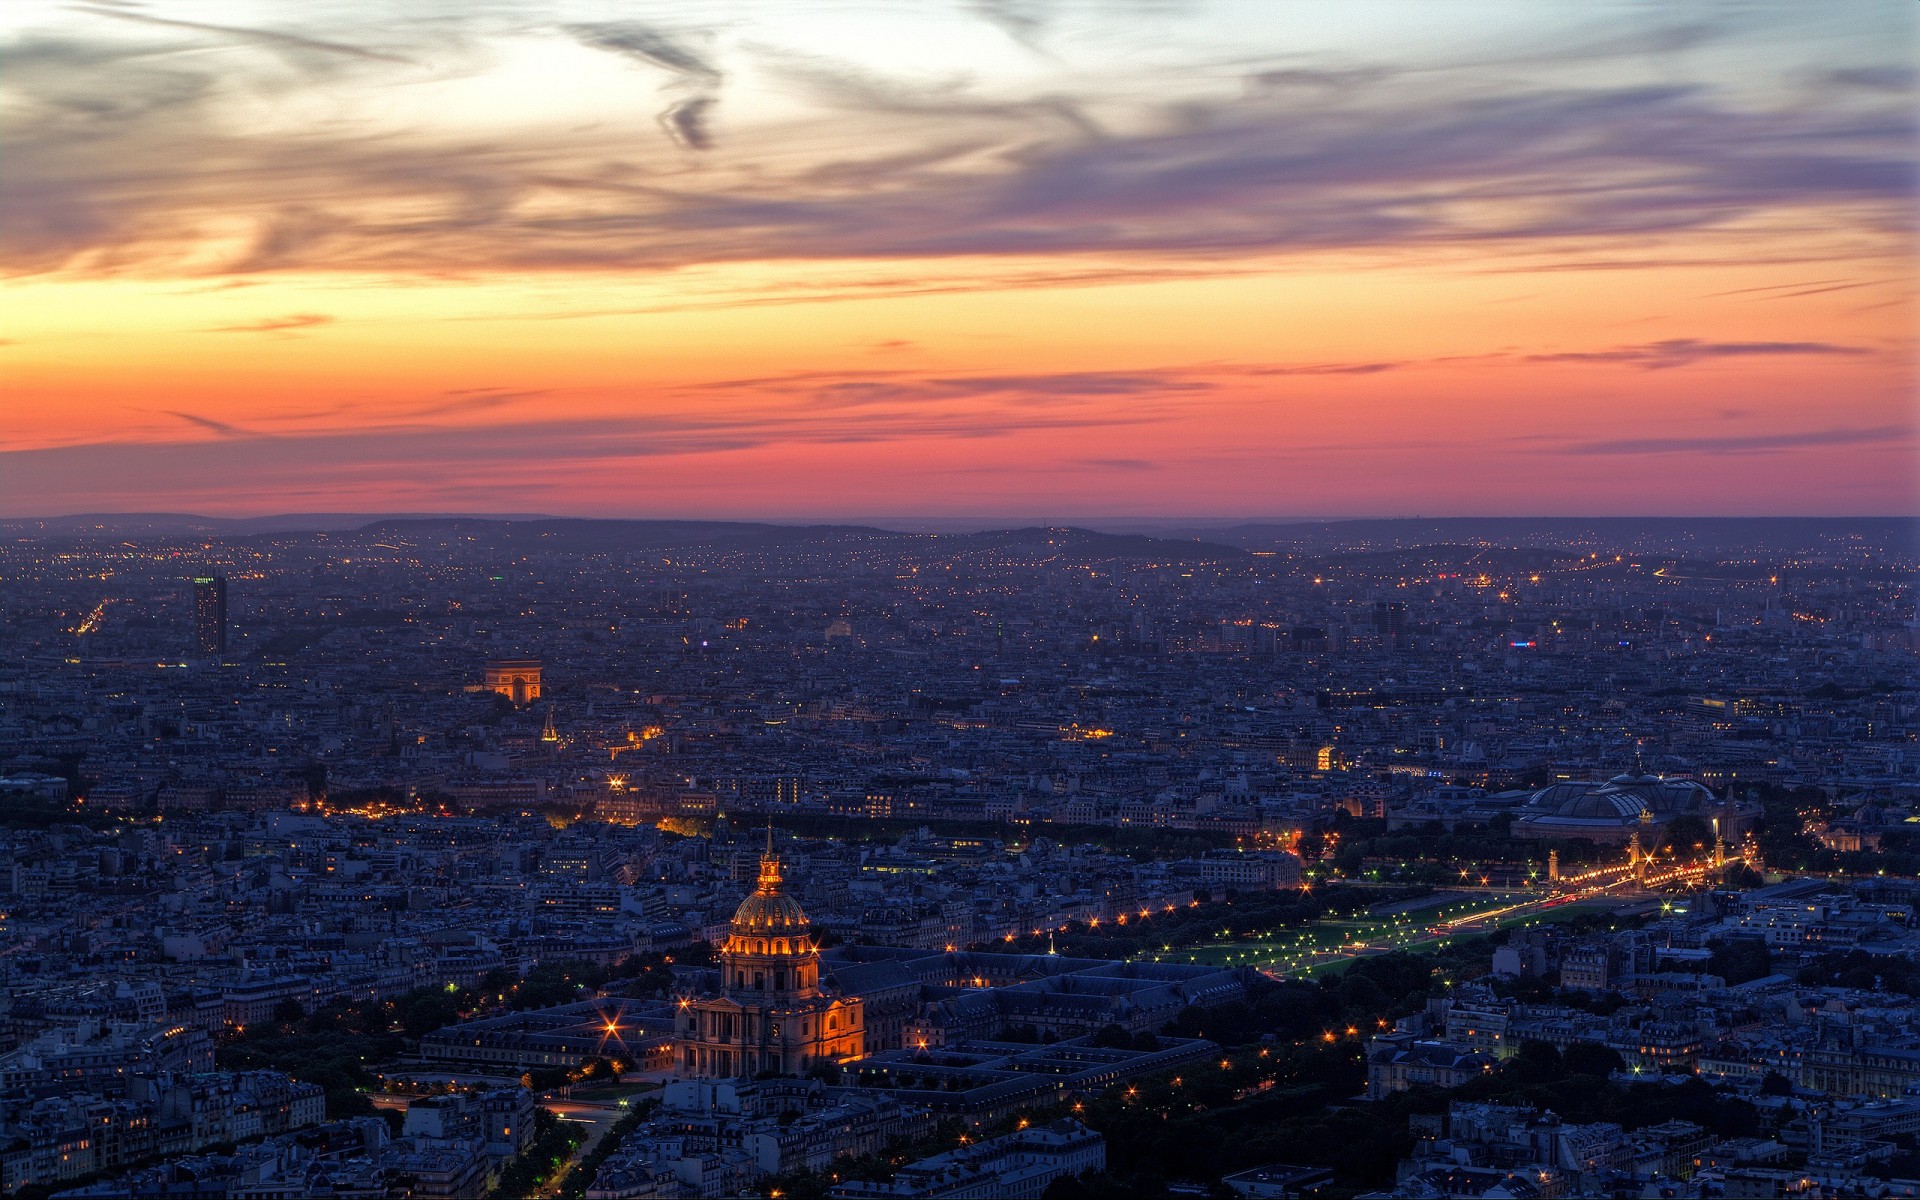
604	536
1687	536
591	535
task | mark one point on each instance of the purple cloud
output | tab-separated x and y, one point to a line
1764	443
1682	352
850	389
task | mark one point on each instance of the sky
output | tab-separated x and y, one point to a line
811	259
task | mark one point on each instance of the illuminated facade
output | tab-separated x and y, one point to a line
1626	807
518	679
210	615
770	1014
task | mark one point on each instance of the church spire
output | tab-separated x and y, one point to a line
769	866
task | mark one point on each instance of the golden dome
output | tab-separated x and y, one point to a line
769	910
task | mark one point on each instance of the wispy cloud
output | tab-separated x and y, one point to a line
1022	20
931	282
686	121
906	161
276	324
836	407
470	401
371	453
1360	368
855	389
1681	352
223	428
1760	443
694	83
118	162
270	38
647	45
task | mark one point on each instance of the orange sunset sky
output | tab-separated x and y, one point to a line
1021	259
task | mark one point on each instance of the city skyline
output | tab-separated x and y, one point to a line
918	599
674	860
799	261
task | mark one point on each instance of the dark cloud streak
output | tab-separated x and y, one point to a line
271	38
686	122
1761	443
243	458
474	400
695	80
222	428
1682	352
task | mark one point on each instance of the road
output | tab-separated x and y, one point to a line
599	1117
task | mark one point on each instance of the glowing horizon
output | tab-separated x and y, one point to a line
813	260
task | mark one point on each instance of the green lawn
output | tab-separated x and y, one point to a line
1295	950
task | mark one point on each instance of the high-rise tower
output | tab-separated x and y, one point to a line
210	615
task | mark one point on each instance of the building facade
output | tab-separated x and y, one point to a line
770	1013
210	615
518	679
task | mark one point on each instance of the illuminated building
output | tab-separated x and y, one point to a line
567	1036
210	614
770	1013
518	679
1615	812
1398	1063
1590	967
625	805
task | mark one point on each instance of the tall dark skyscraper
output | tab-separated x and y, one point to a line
1390	618
210	614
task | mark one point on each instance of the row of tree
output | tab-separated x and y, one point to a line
339	1045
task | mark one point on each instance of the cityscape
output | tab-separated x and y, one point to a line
959	600
449	857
